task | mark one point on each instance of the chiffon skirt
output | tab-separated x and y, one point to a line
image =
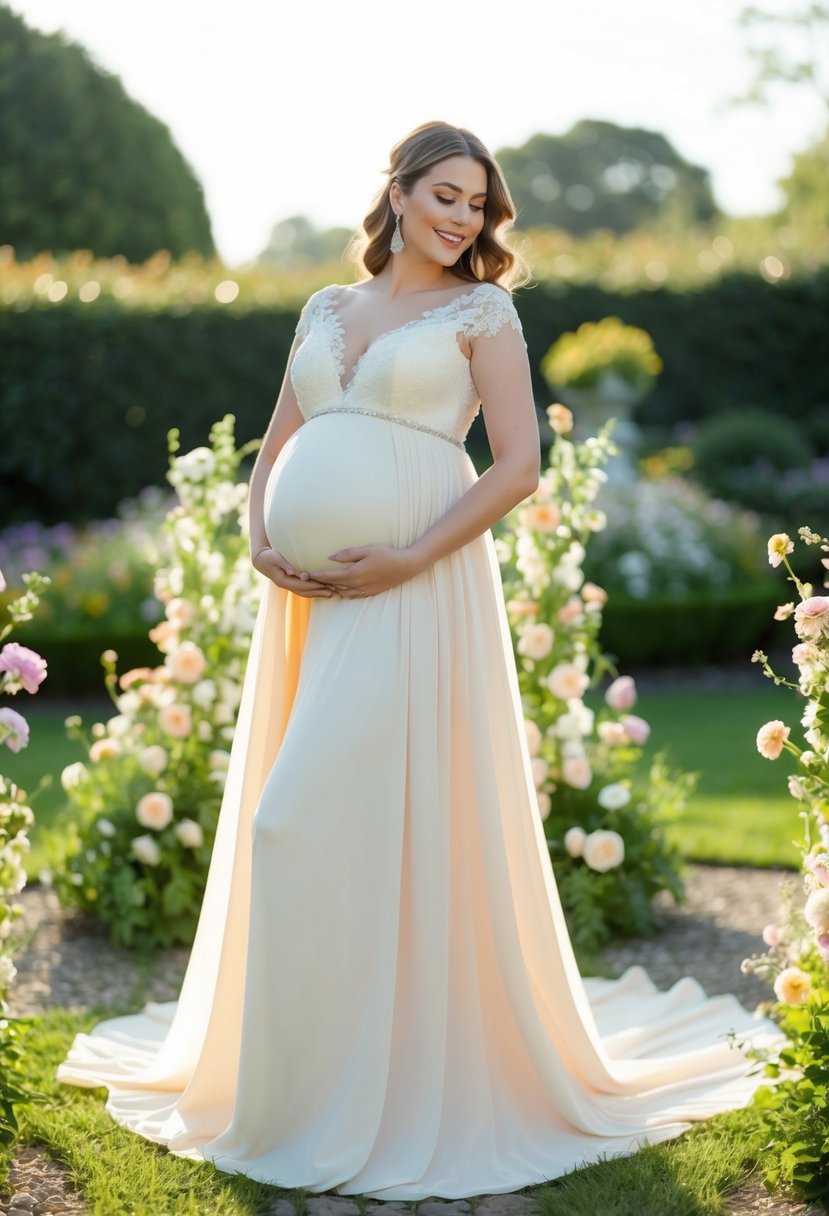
382	997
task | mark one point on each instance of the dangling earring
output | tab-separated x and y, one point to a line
397	245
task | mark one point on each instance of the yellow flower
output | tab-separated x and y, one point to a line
779	546
792	986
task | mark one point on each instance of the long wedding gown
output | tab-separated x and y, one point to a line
382	997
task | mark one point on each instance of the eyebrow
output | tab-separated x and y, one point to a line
480	194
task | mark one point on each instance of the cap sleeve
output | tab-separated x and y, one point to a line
310	310
490	309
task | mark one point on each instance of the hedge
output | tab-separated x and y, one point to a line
89	391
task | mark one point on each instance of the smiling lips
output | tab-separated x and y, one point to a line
450	238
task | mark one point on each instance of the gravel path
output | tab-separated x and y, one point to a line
67	960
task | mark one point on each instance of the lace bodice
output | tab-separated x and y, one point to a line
414	373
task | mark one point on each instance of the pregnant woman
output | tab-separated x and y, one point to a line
382	997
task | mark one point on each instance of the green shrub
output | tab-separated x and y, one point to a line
746	438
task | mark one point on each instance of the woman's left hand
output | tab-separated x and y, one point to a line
367	570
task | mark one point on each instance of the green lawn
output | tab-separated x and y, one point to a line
741	811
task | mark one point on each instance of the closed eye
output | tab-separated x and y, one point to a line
441	199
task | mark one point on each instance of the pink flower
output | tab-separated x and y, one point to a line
566	682
574	839
533	736
772	935
572	611
637	729
622	693
604	850
16	725
612	733
540	769
784	611
175	720
154	810
771	737
576	772
811	617
803	653
25	666
542	516
593	594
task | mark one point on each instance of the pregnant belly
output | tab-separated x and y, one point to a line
333	485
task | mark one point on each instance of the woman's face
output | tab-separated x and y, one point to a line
445	210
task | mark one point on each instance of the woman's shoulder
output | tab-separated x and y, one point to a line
487	308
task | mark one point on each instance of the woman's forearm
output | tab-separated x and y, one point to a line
488	500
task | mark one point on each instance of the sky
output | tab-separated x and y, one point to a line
286	107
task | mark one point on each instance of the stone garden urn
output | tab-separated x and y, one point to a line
610	397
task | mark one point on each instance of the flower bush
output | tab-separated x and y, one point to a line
580	359
796	962
20	669
668	538
604	811
99	573
144	806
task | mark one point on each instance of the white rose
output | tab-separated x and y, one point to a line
119	725
146	849
536	641
540	770
614	797
576	772
204	693
219	759
533	736
604	850
204	731
545	804
105	827
153	760
7	971
72	776
187	663
574	839
567	682
154	810
189	833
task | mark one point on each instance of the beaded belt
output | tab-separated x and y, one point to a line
418	426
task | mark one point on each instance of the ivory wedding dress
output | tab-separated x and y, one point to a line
382	997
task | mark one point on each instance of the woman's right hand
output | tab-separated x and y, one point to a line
280	571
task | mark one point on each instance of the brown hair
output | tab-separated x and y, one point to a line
490	259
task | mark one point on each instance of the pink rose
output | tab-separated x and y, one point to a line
26	667
772	935
811	617
17	726
621	694
576	772
637	729
612	733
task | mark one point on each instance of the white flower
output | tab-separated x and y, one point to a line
536	640
219	759
540	769
187	663
7	971
72	776
118	725
604	850
146	850
816	910
574	839
204	693
613	797
105	827
533	736
576	772
153	760
189	833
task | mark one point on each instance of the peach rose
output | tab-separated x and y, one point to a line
545	804
164	635
792	986
572	611
533	736
541	516
522	607
154	811
180	612
772	935
540	770
621	694
604	850
612	733
104	749
566	682
153	760
811	617
770	739
175	720
591	593
576	772
560	418
187	663
536	641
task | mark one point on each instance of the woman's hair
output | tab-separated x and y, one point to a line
489	259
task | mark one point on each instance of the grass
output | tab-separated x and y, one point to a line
741	811
119	1171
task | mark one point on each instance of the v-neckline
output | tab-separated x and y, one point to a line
339	333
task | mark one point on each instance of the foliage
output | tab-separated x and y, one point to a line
806	188
296	244
797	961
19	668
143	809
597	348
600	175
84	166
604	815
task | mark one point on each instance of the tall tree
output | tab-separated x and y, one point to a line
83	166
600	175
